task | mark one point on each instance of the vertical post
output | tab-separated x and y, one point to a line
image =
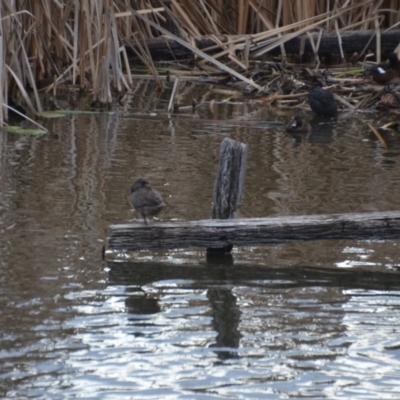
229	183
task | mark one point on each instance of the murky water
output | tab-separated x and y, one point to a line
305	320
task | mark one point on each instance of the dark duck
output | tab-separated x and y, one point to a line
322	102
145	200
16	110
297	125
389	73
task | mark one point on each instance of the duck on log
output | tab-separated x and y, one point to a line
219	234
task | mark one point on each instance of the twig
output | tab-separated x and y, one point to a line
377	134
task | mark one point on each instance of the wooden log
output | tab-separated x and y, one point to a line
352	42
254	231
229	184
163	49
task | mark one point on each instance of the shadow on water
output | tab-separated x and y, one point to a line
129	273
220	280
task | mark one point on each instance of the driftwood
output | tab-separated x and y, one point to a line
254	231
352	41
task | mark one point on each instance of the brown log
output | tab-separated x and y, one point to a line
352	41
254	231
229	183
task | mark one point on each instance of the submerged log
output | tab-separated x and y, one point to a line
164	49
255	231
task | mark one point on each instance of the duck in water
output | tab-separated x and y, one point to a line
13	114
297	125
145	200
322	102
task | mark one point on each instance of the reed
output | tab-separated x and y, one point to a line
79	45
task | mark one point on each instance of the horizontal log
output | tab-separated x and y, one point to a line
254	231
164	49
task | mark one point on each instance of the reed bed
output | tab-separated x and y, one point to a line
53	45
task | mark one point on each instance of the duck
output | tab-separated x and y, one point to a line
322	102
297	125
394	61
388	74
16	110
145	200
385	78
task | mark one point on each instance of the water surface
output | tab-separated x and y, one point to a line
301	320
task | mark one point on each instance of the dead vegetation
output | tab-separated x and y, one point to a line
55	45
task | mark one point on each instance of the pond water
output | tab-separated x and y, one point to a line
302	320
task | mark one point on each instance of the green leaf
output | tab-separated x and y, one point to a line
63	113
23	131
51	114
68	112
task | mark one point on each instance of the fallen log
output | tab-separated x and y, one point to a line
164	49
254	231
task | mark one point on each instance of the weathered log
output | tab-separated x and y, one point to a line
352	41
254	231
229	183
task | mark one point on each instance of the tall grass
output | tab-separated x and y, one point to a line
78	45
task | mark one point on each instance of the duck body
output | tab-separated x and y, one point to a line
322	102
145	200
297	125
389	73
13	114
386	77
394	61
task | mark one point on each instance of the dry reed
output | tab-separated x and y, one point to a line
79	45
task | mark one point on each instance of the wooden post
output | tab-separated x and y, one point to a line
229	184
